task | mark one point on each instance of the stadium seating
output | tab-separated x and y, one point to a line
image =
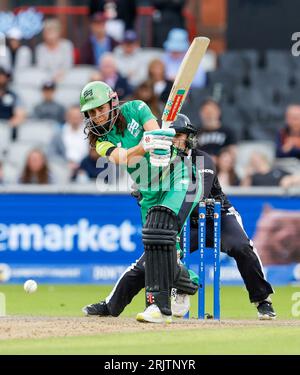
150	54
37	132
77	77
252	88
29	96
4	137
67	96
11	173
291	165
59	171
31	77
233	119
279	61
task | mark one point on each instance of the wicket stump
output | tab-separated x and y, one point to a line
207	208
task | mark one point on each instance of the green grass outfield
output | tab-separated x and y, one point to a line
67	301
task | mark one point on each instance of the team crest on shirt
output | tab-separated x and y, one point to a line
134	128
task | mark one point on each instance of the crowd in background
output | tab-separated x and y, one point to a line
47	100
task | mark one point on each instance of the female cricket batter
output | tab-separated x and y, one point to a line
234	242
130	135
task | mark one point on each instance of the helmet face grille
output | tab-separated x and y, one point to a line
101	130
183	125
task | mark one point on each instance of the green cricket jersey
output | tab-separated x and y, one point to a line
167	187
136	114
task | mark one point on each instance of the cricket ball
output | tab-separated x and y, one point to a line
30	286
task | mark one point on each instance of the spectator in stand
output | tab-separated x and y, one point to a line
225	168
130	61
213	136
89	170
145	92
11	109
290	181
49	109
157	74
288	142
175	48
55	54
109	74
98	42
69	144
17	56
36	169
260	172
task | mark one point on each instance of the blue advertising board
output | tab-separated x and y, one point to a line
83	238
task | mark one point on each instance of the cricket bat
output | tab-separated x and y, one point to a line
183	80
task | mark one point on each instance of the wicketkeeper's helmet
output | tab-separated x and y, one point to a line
183	125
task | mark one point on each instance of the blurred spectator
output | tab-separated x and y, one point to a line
36	169
175	48
213	136
130	61
157	74
49	109
290	181
276	235
98	41
145	92
10	106
1	173
17	56
88	169
261	173
288	142
69	143
108	73
168	15
55	54
225	168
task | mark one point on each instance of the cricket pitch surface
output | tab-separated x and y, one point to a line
25	327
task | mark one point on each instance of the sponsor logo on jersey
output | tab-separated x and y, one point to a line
141	106
218	138
207	171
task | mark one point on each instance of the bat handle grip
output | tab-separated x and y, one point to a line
165	124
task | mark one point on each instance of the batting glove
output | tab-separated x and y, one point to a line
160	158
159	139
